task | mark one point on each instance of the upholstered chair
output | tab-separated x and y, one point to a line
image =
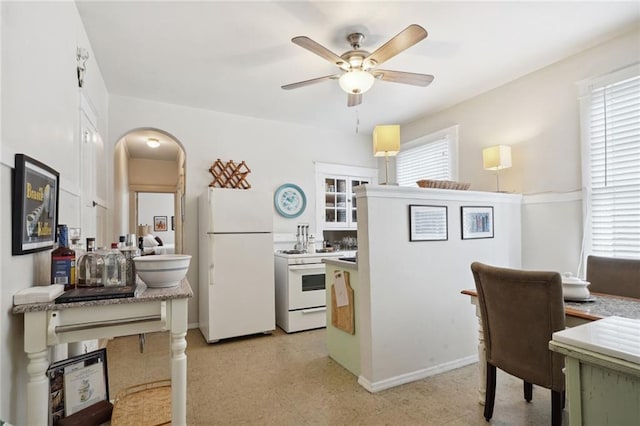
617	276
520	310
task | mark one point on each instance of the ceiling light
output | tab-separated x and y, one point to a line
356	81
153	143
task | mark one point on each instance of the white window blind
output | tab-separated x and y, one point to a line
613	184
433	157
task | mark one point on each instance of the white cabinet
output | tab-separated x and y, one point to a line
336	202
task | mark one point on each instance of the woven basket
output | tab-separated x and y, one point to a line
147	404
443	184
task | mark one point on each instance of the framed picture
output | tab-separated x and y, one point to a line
476	222
35	206
173	223
427	223
159	223
76	383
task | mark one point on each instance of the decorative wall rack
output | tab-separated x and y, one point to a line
229	175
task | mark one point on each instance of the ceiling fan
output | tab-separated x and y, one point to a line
359	66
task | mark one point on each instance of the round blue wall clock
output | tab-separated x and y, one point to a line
289	200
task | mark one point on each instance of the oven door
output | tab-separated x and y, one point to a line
306	286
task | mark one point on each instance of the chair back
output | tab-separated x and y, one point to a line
617	276
520	311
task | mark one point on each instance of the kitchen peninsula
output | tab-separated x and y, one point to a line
343	347
48	324
409	320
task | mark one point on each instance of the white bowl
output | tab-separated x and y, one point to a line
162	270
573	288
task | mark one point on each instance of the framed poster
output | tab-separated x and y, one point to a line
476	222
428	223
77	383
159	223
35	206
173	223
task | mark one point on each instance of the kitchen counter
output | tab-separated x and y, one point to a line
48	324
341	263
344	348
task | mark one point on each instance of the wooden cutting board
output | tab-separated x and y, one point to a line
342	317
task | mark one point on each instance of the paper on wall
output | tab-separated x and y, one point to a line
340	286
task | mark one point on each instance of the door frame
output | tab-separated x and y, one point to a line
177	209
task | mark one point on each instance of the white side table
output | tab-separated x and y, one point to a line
48	324
602	370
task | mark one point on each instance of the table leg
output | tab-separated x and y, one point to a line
178	362
35	346
482	360
37	388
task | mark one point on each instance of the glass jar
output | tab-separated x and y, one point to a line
90	267
115	267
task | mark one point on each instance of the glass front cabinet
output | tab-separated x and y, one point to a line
337	203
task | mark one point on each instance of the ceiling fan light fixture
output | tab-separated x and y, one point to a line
153	143
356	81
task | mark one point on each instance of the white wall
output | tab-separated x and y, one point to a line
413	320
40	118
275	152
120	215
152	204
538	116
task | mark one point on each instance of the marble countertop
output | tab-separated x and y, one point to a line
613	336
603	306
150	294
341	263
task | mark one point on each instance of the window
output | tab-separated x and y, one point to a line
434	156
610	110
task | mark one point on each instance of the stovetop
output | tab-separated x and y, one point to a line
298	253
295	257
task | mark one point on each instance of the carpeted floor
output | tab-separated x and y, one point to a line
288	379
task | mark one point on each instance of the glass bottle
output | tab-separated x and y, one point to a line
115	267
130	251
91	267
63	260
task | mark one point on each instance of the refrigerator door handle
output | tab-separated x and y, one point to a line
313	310
211	249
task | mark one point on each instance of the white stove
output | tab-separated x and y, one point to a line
300	289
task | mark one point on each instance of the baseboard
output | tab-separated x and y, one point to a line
415	375
193	325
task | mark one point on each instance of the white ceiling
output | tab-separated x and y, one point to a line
234	56
137	147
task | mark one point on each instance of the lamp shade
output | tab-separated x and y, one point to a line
356	81
386	140
496	157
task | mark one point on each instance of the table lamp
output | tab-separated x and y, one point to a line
497	158
386	142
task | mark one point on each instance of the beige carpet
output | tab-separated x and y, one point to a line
288	379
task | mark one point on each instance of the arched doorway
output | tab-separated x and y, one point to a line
142	174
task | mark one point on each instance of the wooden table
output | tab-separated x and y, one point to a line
576	313
48	324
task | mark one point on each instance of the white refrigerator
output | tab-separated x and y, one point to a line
236	278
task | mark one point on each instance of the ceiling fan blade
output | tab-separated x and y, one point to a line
354	99
404	77
404	40
309	82
318	49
